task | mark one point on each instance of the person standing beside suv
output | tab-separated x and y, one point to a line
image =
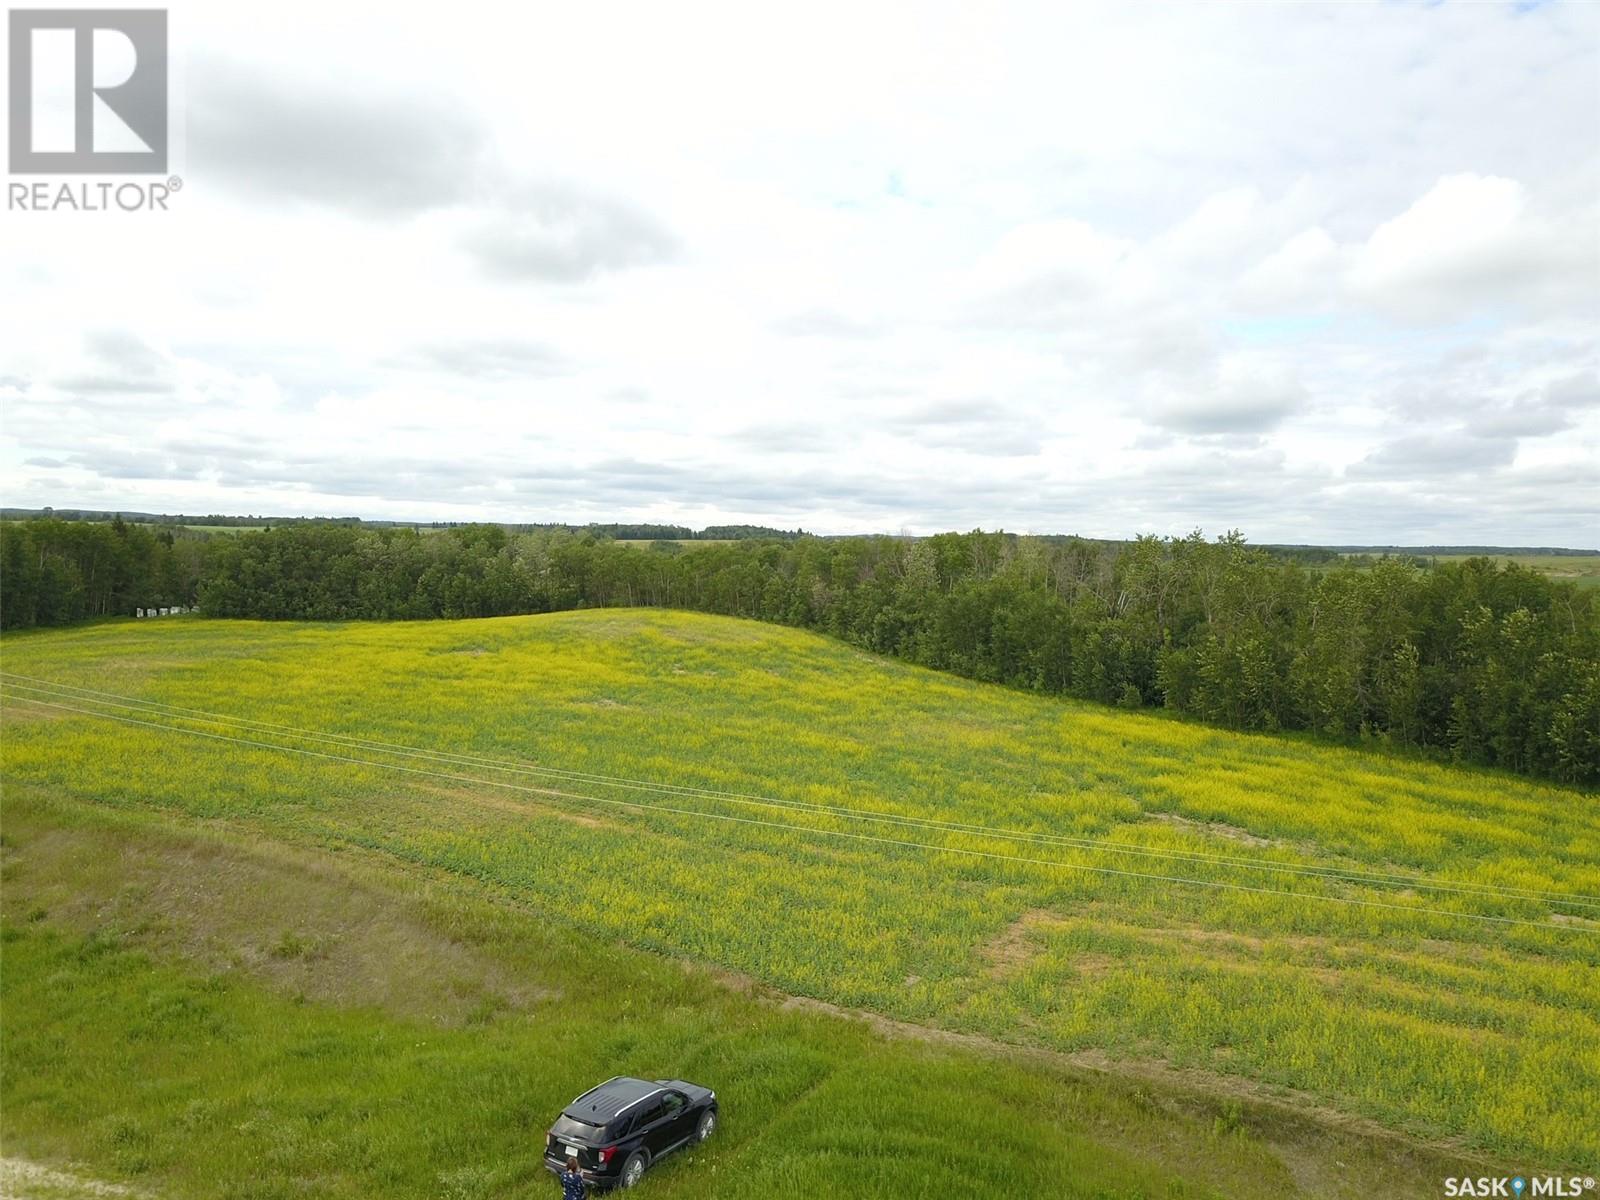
572	1185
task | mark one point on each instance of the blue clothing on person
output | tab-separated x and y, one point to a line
572	1186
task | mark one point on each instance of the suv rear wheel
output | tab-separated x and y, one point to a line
632	1170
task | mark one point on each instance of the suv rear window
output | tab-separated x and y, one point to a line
577	1131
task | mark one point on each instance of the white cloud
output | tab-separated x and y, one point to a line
1301	273
1052	262
1468	245
1224	227
1323	272
1245	400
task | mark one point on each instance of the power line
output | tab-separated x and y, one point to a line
1349	875
1415	910
1339	874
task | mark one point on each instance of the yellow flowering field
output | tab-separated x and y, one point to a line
1381	936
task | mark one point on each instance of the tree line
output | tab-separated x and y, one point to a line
635	532
1485	663
53	572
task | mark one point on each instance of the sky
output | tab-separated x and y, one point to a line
1322	273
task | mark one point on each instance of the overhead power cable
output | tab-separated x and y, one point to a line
1218	885
1354	875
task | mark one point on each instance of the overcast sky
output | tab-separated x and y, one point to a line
1324	273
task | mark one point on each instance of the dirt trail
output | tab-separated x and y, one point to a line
24	1180
1195	1082
337	935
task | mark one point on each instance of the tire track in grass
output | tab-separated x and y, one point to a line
1023	860
1353	875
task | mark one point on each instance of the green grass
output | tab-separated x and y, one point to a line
1436	1026
154	1033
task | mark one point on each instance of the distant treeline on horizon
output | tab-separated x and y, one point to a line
621	531
1480	662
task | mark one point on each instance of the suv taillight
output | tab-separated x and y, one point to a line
605	1155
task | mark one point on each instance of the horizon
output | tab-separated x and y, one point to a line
797	530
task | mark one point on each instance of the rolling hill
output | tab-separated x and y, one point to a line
919	932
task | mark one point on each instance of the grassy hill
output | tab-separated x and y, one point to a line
1081	952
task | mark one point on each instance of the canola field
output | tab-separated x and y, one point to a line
1372	936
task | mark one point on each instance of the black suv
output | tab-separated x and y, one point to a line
624	1125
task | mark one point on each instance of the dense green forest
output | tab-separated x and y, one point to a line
1490	664
53	572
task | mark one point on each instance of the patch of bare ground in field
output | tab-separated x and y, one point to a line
1333	961
1011	947
522	803
21	1179
1307	948
17	711
1232	833
302	926
1575	920
1021	940
1010	950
